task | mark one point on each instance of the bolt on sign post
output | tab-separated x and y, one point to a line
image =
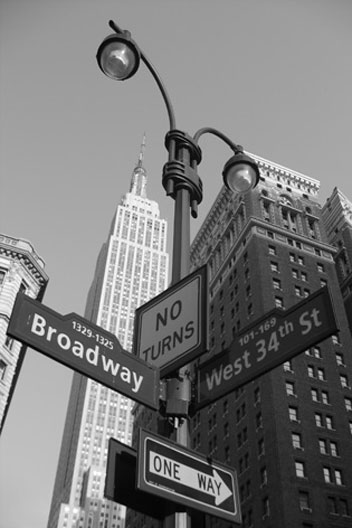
84	347
273	339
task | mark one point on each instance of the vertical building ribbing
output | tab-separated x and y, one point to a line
132	267
337	215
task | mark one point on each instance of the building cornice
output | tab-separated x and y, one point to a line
22	251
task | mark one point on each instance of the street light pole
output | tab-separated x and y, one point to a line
118	57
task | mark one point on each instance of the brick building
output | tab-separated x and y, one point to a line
288	433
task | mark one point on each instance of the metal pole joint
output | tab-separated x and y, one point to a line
180	172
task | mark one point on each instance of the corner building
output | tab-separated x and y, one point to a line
21	270
132	267
289	432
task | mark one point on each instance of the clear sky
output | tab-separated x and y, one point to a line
274	75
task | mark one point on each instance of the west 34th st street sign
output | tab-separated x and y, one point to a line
171	471
270	341
84	347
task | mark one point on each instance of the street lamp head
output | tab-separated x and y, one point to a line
241	173
118	56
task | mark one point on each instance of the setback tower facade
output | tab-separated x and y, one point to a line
337	215
132	267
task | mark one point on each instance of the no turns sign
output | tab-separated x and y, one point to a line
171	329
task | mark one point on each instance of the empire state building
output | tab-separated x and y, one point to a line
132	267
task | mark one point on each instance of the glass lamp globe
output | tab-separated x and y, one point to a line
118	57
241	173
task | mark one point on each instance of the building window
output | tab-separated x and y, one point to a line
329	422
274	266
298	292
279	302
320	267
340	359
226	429
345	511
335	340
315	395
304	502
316	352
304	276
297	441
300	469
295	274
261	448
287	366
266	508
325	397
318	420
338	477
327	475
272	250
3	366
311	373
323	446
293	414
2	276
256	396
333	449
290	388
321	374
332	504
9	342
263	476
348	404
344	381
276	284
248	291
259	420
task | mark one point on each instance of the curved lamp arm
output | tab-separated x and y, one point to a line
209	130
157	78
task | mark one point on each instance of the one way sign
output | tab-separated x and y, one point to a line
171	471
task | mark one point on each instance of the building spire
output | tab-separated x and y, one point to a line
139	175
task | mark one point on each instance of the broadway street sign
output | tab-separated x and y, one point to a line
173	472
270	341
84	347
171	329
